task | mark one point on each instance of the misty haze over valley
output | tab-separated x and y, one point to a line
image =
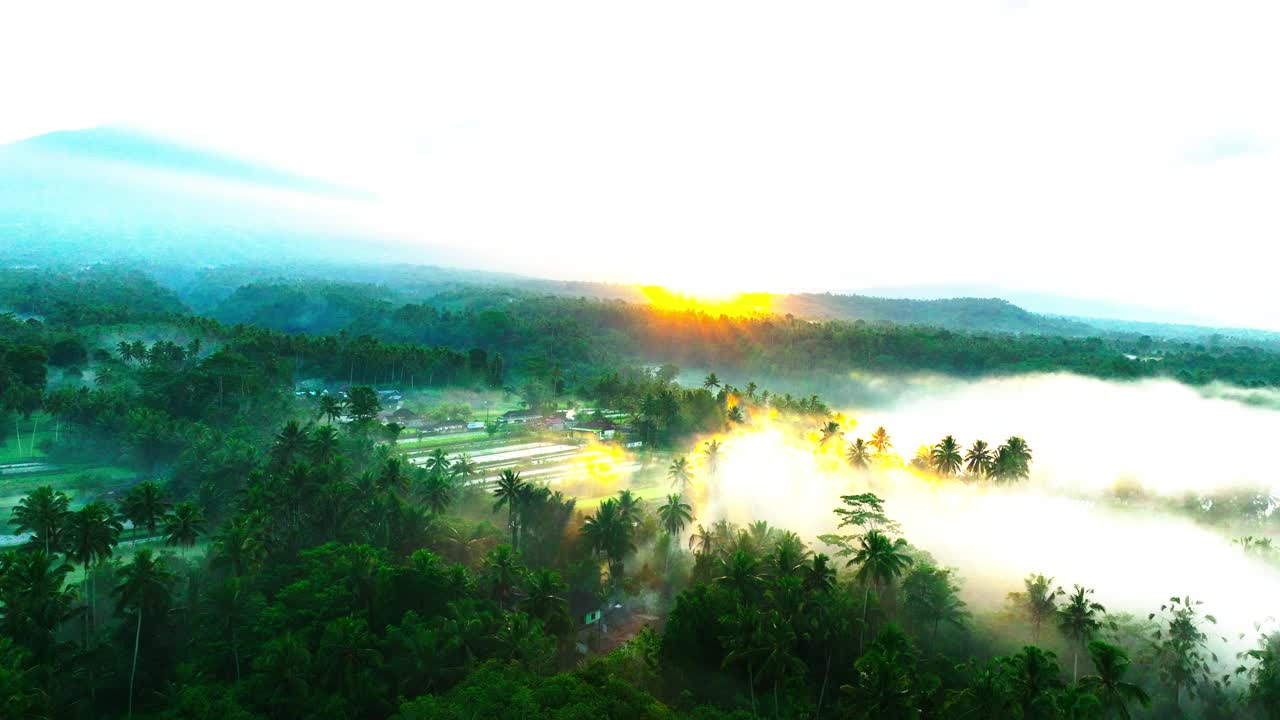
698	362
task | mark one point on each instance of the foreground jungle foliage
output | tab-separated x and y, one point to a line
282	560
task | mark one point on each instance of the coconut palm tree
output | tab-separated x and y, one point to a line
437	494
1012	461
880	561
544	596
145	505
830	431
629	507
680	473
674	515
36	601
184	526
788	556
858	454
92	533
438	462
231	606
289	443
743	643
711	457
702	540
711	382
502	571
740	572
1038	603
1107	683
463	467
609	533
322	448
978	459
44	514
819	575
880	441
508	492
236	546
145	591
331	407
1077	618
945	458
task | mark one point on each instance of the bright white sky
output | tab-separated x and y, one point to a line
1125	151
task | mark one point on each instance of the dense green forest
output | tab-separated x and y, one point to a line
280	557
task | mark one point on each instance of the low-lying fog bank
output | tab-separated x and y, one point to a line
1065	521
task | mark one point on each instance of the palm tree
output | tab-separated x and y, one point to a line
1038	603
711	457
36	601
743	643
331	407
184	526
674	515
978	459
438	494
880	441
438	462
145	590
608	532
145	505
323	446
880	561
945	457
788	556
818	575
740	572
711	382
502	570
830	431
702	539
236	546
44	514
125	349
858	455
544	596
629	507
508	492
1108	685
1012	461
463	467
680	474
231	606
289	442
1076	619
92	534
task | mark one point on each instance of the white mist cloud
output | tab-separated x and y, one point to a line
1085	434
1119	151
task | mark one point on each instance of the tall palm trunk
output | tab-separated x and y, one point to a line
235	654
826	674
866	603
137	639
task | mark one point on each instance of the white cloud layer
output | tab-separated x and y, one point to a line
1118	150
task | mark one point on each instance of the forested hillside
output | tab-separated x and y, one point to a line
276	553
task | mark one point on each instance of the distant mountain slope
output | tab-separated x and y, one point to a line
107	194
976	314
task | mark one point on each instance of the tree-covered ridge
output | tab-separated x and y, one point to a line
587	332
